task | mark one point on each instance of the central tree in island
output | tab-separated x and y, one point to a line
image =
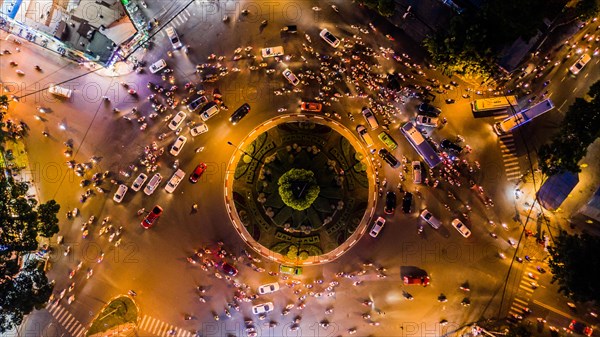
298	188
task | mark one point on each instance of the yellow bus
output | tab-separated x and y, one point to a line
495	103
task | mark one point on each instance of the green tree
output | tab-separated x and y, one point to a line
385	8
572	259
298	188
22	289
587	9
3	109
48	222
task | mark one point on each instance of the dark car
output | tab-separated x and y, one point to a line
429	110
450	146
389	158
195	104
580	328
407	202
197	173
152	217
239	113
390	202
226	268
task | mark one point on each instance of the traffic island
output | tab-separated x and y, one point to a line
117	318
300	189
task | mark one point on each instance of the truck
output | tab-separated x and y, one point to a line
60	91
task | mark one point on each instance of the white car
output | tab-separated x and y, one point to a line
154	182
329	38
178	145
461	228
272	51
199	129
120	194
174	181
263	308
173	37
289	75
370	118
423	120
176	122
430	219
139	182
581	62
377	227
268	288
158	66
366	138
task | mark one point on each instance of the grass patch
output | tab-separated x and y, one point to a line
119	311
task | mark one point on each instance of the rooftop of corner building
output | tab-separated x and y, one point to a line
94	27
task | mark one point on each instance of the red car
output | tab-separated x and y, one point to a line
311	106
422	280
151	218
226	268
197	172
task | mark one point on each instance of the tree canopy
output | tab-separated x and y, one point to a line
23	286
579	129
572	259
298	188
383	7
470	45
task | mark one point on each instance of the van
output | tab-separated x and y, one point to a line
581	62
158	66
60	91
364	135
417	172
209	110
370	118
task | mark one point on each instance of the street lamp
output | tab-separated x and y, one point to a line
246	153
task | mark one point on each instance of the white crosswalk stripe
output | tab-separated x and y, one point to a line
508	150
66	320
159	328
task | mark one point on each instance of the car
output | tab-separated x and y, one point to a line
580	328
262	308
581	62
450	146
174	181
311	106
289	75
423	120
407	202
389	158
176	122
370	118
461	228
377	227
430	219
178	145
198	129
417	172
388	141
209	110
139	182
329	38
421	280
239	113
173	37
196	103
151	218
272	51
429	110
268	288
366	138
157	66
390	202
291	270
152	184
226	268
197	173
120	193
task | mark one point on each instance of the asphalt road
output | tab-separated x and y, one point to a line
153	262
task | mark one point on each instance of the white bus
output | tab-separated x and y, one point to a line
495	103
523	117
